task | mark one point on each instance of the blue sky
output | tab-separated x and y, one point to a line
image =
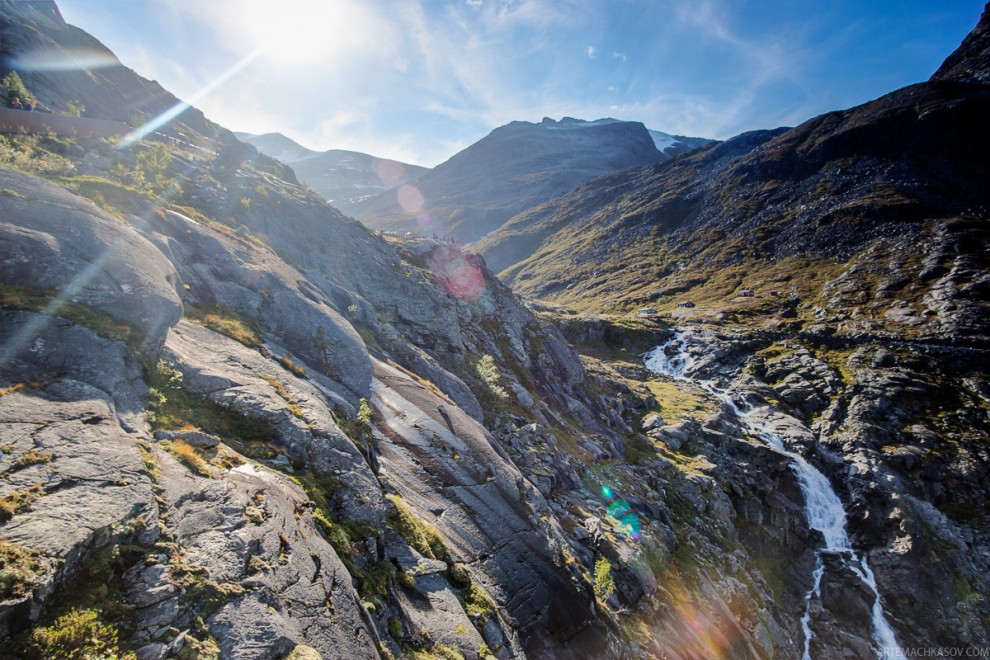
419	80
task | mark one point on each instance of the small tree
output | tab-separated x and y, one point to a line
13	86
153	164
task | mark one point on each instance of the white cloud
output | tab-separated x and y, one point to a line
620	56
592	52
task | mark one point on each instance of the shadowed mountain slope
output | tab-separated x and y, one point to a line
881	202
514	167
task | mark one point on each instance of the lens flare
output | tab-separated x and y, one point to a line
180	107
410	199
389	172
619	509
459	273
64	60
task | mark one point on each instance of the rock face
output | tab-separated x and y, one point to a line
53	240
968	63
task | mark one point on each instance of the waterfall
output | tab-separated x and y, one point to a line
823	508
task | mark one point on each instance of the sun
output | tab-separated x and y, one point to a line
300	32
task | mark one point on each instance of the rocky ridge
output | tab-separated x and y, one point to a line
343	178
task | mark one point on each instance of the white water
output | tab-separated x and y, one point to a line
823	508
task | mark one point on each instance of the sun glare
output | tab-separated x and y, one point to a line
298	32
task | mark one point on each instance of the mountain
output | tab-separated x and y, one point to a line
807	212
514	167
236	423
344	178
671	145
278	146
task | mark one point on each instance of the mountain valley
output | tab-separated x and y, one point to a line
729	400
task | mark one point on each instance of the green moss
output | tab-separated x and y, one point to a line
20	570
18	501
418	534
477	605
77	635
174	408
46	302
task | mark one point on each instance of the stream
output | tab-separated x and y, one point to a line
823	508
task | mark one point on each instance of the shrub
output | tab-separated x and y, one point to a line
13	86
458	575
364	413
604	583
77	635
395	627
153	164
74	108
491	377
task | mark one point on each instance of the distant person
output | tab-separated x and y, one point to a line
15	104
28	105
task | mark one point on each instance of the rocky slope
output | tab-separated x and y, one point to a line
516	166
872	219
343	178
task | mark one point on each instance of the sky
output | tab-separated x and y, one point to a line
419	80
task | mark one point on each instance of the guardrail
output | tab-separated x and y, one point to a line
21	121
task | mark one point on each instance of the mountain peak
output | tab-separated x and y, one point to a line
971	61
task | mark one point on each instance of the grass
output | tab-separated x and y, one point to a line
295	368
188	456
33	457
19	501
46	302
88	617
78	635
35	154
225	321
675	403
173	408
283	392
113	197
